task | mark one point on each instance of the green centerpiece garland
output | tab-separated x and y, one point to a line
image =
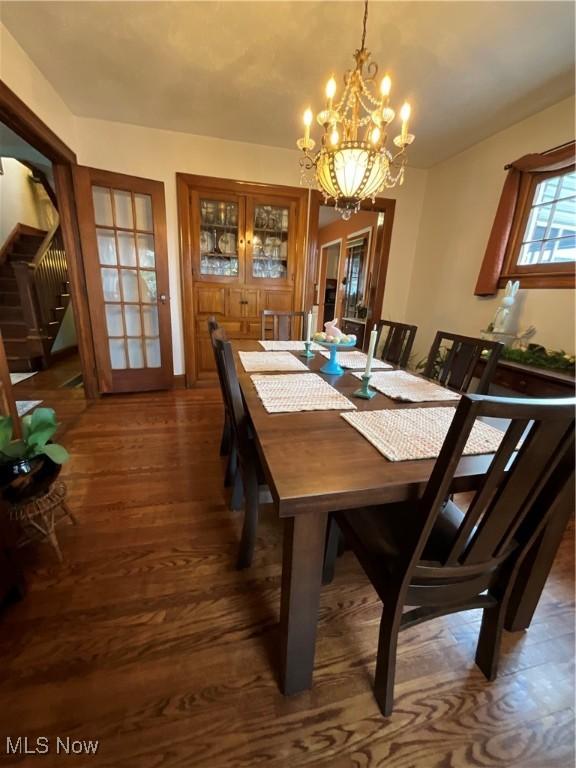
540	357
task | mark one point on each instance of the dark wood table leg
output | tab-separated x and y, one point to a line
536	568
304	540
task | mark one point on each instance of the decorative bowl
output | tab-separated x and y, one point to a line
333	367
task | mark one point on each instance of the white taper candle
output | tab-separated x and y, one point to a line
371	347
308	326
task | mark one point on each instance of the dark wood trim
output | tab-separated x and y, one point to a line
17	116
77	276
384	205
537	275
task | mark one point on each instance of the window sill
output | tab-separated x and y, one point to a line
540	279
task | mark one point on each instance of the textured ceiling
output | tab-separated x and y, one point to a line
247	70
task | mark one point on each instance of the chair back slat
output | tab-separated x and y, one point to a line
282	326
482	498
516	493
233	394
453	358
542	451
398	341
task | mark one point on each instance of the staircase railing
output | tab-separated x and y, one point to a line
41	282
50	275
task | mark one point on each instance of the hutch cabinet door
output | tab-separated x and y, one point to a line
270	240
217	236
123	236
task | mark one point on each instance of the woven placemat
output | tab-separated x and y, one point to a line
270	361
298	392
356	359
401	385
288	346
404	434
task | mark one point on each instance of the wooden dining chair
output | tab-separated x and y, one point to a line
279	326
453	358
227	445
248	476
398	342
438	559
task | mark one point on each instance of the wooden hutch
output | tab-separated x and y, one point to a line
242	251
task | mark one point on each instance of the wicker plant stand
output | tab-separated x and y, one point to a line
38	517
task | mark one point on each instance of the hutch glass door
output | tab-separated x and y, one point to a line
220	238
271	241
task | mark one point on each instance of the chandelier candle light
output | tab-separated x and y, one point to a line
353	163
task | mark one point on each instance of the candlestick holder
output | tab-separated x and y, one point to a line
364	392
307	354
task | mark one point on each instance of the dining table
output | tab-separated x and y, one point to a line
316	463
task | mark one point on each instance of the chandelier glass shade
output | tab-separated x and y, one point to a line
353	163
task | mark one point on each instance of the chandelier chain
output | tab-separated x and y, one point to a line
364	24
353	162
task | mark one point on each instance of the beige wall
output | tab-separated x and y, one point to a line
21	75
461	198
18	201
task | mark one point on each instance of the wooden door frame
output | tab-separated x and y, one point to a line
17	116
384	205
185	182
322	270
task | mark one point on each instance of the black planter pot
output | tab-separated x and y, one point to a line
22	479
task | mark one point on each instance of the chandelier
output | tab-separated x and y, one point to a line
353	163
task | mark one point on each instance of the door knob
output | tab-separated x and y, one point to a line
162	298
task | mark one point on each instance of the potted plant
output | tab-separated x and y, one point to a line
28	466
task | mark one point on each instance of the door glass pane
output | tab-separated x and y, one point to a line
132	318
218	238
123	209
127	249
106	246
270	242
143	207
126	252
114	320
148	286
150	319
153	353
102	206
130	285
110	284
117	353
146	250
135	354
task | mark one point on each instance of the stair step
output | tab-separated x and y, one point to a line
16	347
10	314
21	364
10	299
7	283
16	330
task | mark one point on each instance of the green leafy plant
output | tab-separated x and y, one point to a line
540	357
37	430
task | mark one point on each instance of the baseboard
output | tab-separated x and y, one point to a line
180	381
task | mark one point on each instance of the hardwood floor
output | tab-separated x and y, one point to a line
148	640
57	388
